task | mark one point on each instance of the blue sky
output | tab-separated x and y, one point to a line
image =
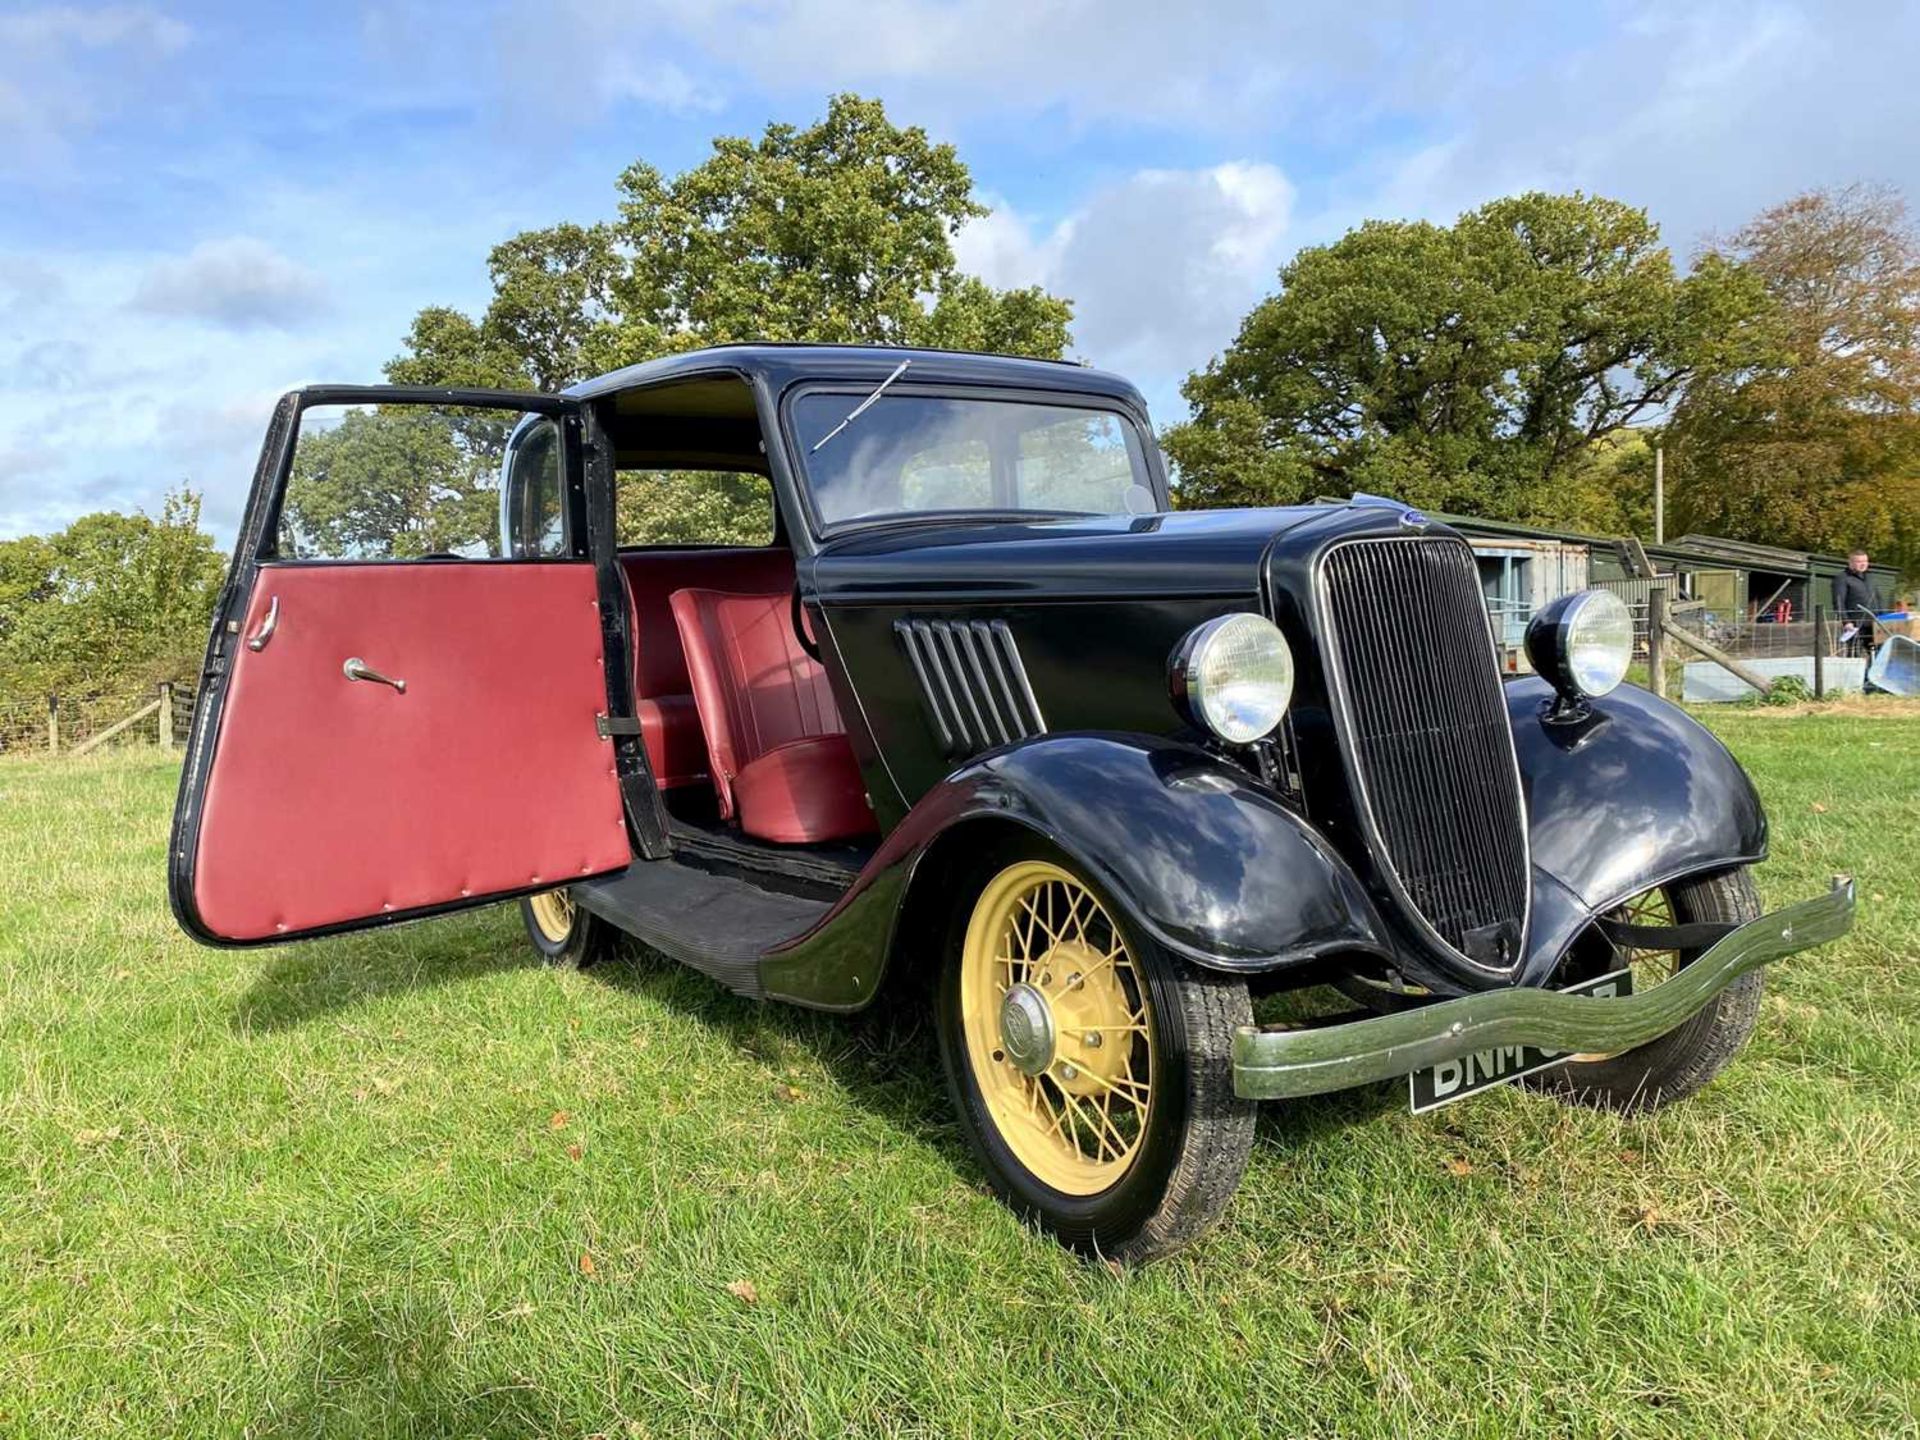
203	205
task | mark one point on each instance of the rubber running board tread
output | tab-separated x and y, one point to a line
717	924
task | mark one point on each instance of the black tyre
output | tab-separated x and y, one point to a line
566	934
1688	1056
1090	1069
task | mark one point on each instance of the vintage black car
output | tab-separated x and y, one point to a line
836	671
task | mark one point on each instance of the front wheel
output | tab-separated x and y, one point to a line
1693	1052
566	934
1091	1070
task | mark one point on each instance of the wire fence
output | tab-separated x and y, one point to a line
1822	652
67	725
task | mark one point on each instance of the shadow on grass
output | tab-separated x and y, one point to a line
886	1058
1285	1124
386	1365
305	981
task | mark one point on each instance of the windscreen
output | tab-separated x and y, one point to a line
923	454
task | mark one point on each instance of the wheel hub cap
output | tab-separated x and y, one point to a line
1026	1029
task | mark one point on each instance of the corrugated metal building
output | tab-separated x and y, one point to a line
1734	579
1522	567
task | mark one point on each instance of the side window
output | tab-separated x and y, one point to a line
535	514
394	482
1080	462
693	507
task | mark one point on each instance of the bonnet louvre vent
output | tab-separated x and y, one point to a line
972	681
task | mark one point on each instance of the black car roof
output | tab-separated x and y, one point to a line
782	365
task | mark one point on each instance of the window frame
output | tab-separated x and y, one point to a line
261	534
571	526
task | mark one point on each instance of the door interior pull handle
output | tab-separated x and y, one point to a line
258	640
358	669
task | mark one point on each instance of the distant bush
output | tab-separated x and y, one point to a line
1789	690
101	612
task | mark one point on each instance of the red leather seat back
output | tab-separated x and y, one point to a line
662	690
755	687
659	661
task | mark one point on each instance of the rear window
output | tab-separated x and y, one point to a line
693	507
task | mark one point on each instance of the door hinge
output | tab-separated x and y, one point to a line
608	726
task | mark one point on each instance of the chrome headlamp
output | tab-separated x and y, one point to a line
1581	644
1232	676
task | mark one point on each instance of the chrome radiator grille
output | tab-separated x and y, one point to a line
1424	726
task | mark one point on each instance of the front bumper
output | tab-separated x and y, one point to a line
1281	1063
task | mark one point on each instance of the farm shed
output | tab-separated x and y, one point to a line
1523	567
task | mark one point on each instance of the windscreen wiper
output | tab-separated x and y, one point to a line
860	409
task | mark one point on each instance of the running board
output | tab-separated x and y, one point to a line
717	924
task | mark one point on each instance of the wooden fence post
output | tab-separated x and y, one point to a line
1721	658
1819	653
1657	637
166	716
53	724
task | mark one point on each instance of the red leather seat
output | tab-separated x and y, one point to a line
778	751
670	729
663	693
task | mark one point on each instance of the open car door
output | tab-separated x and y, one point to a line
398	713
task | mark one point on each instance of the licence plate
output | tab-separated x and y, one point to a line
1453	1080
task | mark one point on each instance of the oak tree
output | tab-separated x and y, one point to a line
1469	367
1818	448
840	231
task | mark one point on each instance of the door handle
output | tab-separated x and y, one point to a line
258	640
358	669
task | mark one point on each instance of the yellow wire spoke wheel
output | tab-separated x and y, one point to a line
1649	967
553	913
1058	1027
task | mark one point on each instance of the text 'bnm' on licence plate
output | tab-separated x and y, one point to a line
1453	1080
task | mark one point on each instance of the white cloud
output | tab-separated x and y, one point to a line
27	288
223	424
21	462
1160	266
185	397
1222	65
63	68
240	283
661	83
1703	114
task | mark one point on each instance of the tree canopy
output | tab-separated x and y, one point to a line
1819	447
395	483
838	231
1470	367
109	606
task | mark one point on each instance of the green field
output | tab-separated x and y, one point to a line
415	1184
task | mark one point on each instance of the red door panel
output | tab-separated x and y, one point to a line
330	800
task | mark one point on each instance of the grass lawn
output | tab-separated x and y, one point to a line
415	1184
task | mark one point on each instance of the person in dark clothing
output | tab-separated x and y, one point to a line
1855	603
